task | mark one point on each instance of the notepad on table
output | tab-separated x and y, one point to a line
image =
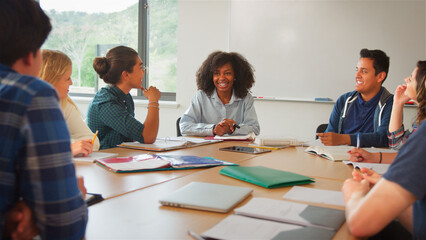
264	218
92	157
265	177
248	137
380	168
150	162
315	195
165	144
333	153
276	141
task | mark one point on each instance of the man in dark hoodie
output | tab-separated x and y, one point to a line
365	111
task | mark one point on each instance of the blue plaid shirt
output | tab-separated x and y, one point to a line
35	158
112	113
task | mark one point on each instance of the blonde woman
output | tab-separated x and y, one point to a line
56	69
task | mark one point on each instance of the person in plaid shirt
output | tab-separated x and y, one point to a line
39	193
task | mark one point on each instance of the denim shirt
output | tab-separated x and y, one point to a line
207	111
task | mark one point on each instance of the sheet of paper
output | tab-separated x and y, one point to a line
315	195
236	137
240	227
139	165
276	210
380	168
186	139
94	156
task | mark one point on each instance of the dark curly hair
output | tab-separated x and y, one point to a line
421	91
117	60
243	72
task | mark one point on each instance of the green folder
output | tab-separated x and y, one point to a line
266	177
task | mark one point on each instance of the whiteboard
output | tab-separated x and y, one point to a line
306	49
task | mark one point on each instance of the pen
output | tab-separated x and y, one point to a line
194	235
94	137
358	141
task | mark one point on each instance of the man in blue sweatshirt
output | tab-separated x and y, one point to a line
366	110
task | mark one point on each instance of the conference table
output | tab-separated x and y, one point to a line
132	209
101	181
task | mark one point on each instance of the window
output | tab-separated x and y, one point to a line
85	29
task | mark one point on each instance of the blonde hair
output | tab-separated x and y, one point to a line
55	65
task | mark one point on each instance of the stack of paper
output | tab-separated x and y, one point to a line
270	141
263	218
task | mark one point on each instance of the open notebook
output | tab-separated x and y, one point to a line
333	153
151	162
170	143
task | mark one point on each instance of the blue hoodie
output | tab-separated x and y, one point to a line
382	115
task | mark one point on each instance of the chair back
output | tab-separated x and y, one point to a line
321	128
178	133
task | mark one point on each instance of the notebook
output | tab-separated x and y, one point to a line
333	153
207	196
154	162
170	143
265	177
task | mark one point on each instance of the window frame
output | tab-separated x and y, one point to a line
143	52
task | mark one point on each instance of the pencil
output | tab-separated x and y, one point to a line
266	147
94	137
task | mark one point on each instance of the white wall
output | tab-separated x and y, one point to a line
203	27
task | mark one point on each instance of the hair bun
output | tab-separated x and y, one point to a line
101	66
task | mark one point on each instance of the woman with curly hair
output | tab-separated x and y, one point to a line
415	89
222	104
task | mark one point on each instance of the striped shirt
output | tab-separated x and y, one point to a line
35	158
112	113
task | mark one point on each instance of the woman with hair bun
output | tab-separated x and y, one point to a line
112	110
223	104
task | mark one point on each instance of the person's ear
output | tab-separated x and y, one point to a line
381	77
124	75
28	59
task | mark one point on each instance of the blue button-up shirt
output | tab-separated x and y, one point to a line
35	158
204	112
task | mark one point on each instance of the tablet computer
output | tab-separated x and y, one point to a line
245	149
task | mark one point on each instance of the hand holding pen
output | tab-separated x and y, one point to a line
225	126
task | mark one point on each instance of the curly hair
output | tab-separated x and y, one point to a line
243	72
117	60
421	91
